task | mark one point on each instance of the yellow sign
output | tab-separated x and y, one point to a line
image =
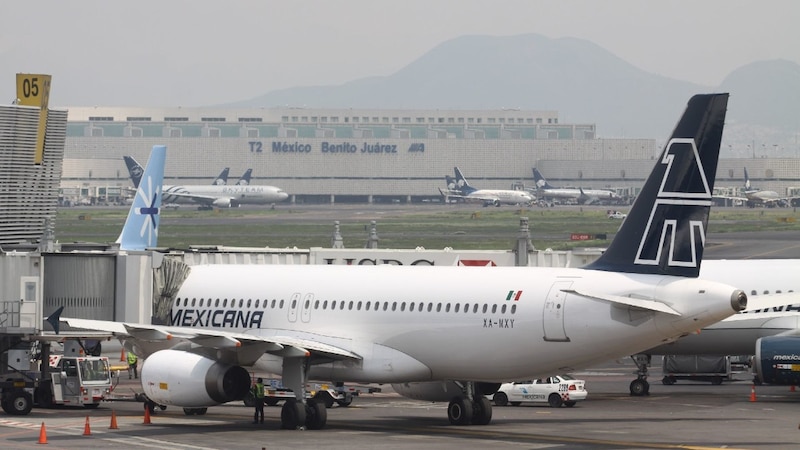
34	90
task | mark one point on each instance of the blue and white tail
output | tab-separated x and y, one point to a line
665	230
141	227
135	170
540	181
461	183
222	178
245	180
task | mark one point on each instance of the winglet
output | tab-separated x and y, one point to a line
55	318
141	227
664	232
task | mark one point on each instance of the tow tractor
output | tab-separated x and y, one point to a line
328	393
67	380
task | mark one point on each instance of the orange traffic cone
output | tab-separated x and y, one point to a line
791	388
86	430
753	393
146	414
42	435
113	425
122	356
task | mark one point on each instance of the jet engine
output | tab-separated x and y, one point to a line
225	203
440	391
174	377
777	360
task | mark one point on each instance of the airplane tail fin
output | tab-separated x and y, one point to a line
141	227
245	180
222	178
134	170
664	232
461	183
540	181
746	180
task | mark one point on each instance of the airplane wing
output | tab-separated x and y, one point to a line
238	348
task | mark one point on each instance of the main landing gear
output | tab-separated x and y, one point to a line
472	408
300	412
640	386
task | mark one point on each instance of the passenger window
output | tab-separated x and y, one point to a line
447	307
430	307
341	304
411	307
216	303
185	302
403	306
385	306
280	304
316	304
178	302
394	306
350	306
308	303
475	309
358	306
294	304
503	309
225	303
513	309
273	304
494	309
457	307
438	307
325	304
485	308
248	303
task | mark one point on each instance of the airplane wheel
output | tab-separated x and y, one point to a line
482	411
293	415
555	401
669	381
325	398
639	387
500	399
316	415
44	395
459	411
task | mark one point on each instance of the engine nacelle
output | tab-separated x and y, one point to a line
440	391
777	360
223	203
174	377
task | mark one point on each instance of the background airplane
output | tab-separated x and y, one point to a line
245	179
145	210
460	188
583	196
209	196
135	171
771	321
402	324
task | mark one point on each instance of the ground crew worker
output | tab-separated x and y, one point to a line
132	362
258	396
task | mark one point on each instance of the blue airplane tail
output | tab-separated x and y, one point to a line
665	230
540	181
747	185
134	170
222	178
141	227
461	183
245	180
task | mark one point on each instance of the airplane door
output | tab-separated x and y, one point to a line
294	306
305	311
553	314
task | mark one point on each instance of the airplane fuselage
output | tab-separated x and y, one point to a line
570	193
243	195
515	322
503	196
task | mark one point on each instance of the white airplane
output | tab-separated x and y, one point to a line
582	196
483	326
459	187
209	196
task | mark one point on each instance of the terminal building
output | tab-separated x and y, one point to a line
347	155
368	155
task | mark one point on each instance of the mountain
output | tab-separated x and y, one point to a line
582	81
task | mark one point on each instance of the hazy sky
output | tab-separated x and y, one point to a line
199	52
